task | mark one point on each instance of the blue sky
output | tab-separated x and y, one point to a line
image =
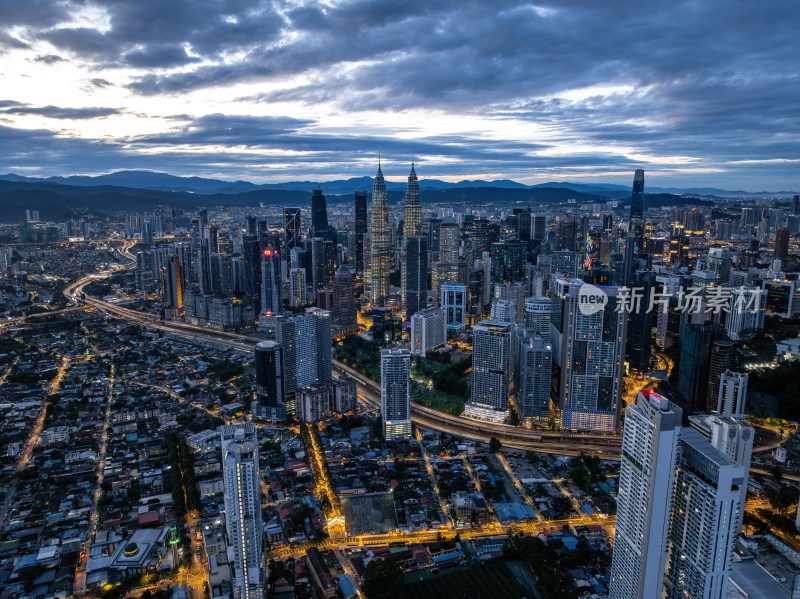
696	93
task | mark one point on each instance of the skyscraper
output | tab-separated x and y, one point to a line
508	261
297	287
306	343
319	215
252	259
781	244
241	477
344	300
491	366
588	337
640	323
746	315
703	523
732	394
412	209
173	288
270	399
677	507
379	242
646	482
396	394
415	275
722	358
719	262
696	343
428	331
637	208
361	228
414	265
446	269
537	315
566	233
292	224
271	280
533	369
454	304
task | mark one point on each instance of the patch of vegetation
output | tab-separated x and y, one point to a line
783	382
552	582
490	580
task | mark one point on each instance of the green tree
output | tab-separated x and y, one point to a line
382	579
494	445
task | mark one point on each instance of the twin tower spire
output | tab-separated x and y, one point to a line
380	235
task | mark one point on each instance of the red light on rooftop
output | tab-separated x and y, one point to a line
267	252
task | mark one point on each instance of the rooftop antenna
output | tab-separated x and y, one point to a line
316	179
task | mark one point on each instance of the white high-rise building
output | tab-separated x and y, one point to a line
732	393
297	287
491	367
396	394
704	519
428	331
537	315
503	310
733	437
646	481
588	337
516	292
679	502
746	315
240	473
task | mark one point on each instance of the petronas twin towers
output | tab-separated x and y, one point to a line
380	244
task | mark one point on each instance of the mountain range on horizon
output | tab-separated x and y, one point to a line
159	181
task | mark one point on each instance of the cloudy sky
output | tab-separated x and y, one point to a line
698	93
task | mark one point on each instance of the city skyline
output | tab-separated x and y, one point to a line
272	92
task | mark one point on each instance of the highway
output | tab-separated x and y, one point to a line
603	445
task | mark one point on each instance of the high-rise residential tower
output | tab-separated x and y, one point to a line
491	365
241	477
588	337
678	504
379	242
537	315
396	394
428	331
650	455
533	367
704	520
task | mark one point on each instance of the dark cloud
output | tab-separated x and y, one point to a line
49	59
57	112
711	85
9	42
